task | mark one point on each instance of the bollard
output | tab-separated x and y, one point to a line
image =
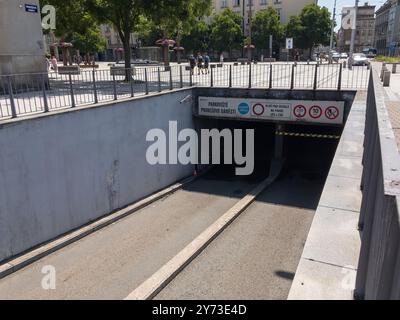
11	96
383	71
345	64
45	101
394	68
386	78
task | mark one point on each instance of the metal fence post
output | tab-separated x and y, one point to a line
171	83
11	95
316	77
212	77
146	82
191	78
159	79
71	89
45	101
132	82
292	78
230	76
270	76
250	75
96	99
340	77
115	88
180	76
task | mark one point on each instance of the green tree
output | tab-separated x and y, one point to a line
147	31
90	40
70	16
198	39
123	15
226	31
312	27
76	25
178	18
294	29
264	24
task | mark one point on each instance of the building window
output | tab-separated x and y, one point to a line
224	3
279	13
236	3
263	2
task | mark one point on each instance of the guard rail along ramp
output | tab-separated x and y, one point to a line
21	95
379	265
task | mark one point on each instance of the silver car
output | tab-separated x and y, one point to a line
360	59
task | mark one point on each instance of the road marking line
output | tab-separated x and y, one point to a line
158	281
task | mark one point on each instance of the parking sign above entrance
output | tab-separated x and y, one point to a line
322	112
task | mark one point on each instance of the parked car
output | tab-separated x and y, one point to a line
336	56
344	55
360	59
370	52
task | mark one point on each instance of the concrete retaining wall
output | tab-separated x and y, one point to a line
61	171
21	36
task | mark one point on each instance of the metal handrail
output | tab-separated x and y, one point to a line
22	94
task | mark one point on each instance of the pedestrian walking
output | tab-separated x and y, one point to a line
54	64
221	58
297	55
207	63
192	62
200	61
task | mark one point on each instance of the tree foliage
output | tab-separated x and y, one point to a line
91	40
312	27
226	31
198	39
264	24
76	25
123	15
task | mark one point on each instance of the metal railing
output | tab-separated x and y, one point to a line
378	274
24	94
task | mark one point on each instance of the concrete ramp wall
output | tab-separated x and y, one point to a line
61	171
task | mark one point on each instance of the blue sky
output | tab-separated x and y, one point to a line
343	3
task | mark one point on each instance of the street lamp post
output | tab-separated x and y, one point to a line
353	36
332	33
248	43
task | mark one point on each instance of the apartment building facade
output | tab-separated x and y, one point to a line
114	45
365	29
381	28
247	8
393	37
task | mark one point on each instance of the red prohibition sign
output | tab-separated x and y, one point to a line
300	111
257	108
332	113
315	112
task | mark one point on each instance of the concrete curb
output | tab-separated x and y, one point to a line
21	262
156	283
327	267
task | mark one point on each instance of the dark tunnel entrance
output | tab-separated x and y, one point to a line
308	151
